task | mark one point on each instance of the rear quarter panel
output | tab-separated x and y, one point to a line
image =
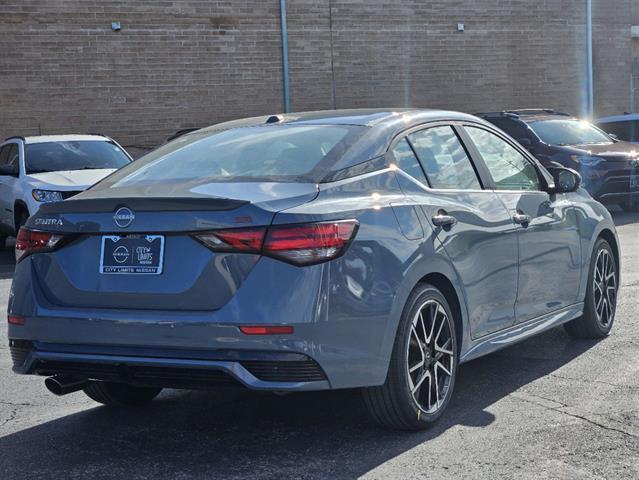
366	289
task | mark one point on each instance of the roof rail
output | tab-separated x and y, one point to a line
526	111
503	113
16	137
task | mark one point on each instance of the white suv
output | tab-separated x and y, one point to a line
35	170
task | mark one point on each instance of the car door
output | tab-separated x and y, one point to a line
9	165
470	222
548	237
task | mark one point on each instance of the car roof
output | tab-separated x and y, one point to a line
383	125
626	117
364	117
64	138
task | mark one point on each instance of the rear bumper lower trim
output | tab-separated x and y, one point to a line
255	370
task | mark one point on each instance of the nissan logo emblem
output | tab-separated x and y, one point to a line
123	217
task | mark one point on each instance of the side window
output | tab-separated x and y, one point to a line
622	129
407	161
4	154
14	158
444	159
515	129
509	168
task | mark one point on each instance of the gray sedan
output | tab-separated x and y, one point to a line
375	249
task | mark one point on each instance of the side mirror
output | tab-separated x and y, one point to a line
614	137
566	179
525	142
8	170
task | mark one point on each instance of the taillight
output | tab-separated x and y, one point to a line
34	241
300	244
309	243
15	320
247	240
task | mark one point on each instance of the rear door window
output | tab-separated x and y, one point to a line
515	129
444	159
407	161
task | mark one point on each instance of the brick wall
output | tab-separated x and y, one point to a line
174	64
182	63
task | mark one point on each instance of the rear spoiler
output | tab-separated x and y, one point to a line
141	204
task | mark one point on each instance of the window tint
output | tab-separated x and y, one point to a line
4	154
623	130
14	158
509	168
407	161
444	159
73	155
515	129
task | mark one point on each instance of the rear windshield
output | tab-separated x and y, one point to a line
568	132
80	155
285	153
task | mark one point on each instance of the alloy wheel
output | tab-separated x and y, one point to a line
605	287
430	356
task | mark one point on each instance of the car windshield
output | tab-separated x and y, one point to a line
285	153
73	155
568	132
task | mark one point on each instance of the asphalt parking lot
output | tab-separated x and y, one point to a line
550	407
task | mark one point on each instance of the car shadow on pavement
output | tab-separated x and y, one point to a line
231	433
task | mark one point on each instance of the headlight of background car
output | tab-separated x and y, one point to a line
47	195
586	160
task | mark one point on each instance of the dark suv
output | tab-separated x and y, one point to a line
609	167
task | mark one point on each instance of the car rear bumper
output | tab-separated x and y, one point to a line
259	370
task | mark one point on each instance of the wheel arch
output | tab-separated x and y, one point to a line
446	287
18	207
610	237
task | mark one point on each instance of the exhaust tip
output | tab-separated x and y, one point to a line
60	385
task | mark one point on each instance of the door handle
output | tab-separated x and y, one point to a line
521	218
442	219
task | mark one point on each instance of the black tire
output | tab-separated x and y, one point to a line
120	394
592	323
393	405
23	216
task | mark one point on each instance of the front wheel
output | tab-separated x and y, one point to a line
601	295
120	394
423	366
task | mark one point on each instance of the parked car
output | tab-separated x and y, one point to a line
609	167
41	169
375	249
624	127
